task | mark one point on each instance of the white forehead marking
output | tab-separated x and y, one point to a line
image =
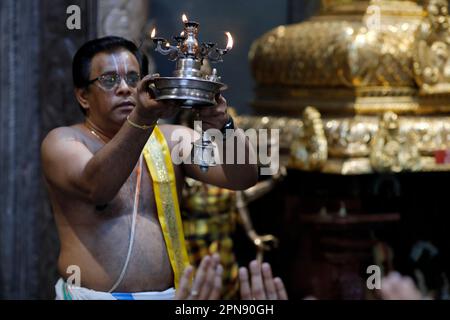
120	61
116	64
124	63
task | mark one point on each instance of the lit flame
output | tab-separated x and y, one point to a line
184	18
153	33
182	34
230	41
167	44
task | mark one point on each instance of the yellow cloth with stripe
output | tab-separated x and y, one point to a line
158	159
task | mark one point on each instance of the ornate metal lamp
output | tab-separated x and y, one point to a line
192	85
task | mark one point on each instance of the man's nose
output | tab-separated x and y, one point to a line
123	88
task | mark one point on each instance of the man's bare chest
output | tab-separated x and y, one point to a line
131	195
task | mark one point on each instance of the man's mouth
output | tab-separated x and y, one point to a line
129	104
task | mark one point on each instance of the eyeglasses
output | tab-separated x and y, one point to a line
110	81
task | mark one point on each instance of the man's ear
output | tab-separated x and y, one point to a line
81	95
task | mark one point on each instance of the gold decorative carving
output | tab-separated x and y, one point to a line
432	50
377	71
391	151
349	139
351	166
290	128
309	151
356	61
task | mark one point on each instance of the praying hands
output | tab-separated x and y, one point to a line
207	284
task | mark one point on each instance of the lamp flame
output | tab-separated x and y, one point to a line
184	18
230	41
153	34
182	34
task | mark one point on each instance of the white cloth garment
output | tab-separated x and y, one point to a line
70	292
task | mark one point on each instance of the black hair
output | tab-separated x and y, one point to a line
81	63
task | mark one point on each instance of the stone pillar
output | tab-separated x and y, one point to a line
124	18
58	107
19	148
36	94
128	19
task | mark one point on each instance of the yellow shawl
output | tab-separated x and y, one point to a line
158	159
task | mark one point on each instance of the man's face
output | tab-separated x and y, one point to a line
110	106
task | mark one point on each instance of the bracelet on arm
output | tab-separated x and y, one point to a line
142	127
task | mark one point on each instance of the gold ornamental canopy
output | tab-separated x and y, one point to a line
363	86
360	57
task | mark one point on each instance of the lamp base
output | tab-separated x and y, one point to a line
192	91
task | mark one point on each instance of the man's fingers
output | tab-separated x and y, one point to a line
386	289
244	284
146	85
212	111
200	277
213	119
261	277
145	80
395	289
150	76
410	289
168	109
269	284
281	290
404	288
214	116
208	283
217	287
208	112
257	281
183	288
220	99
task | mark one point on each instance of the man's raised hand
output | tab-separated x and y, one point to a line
261	285
207	284
147	106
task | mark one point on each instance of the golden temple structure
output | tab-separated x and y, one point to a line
363	86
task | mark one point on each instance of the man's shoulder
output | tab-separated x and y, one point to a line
60	134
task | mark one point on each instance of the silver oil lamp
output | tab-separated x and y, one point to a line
193	83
